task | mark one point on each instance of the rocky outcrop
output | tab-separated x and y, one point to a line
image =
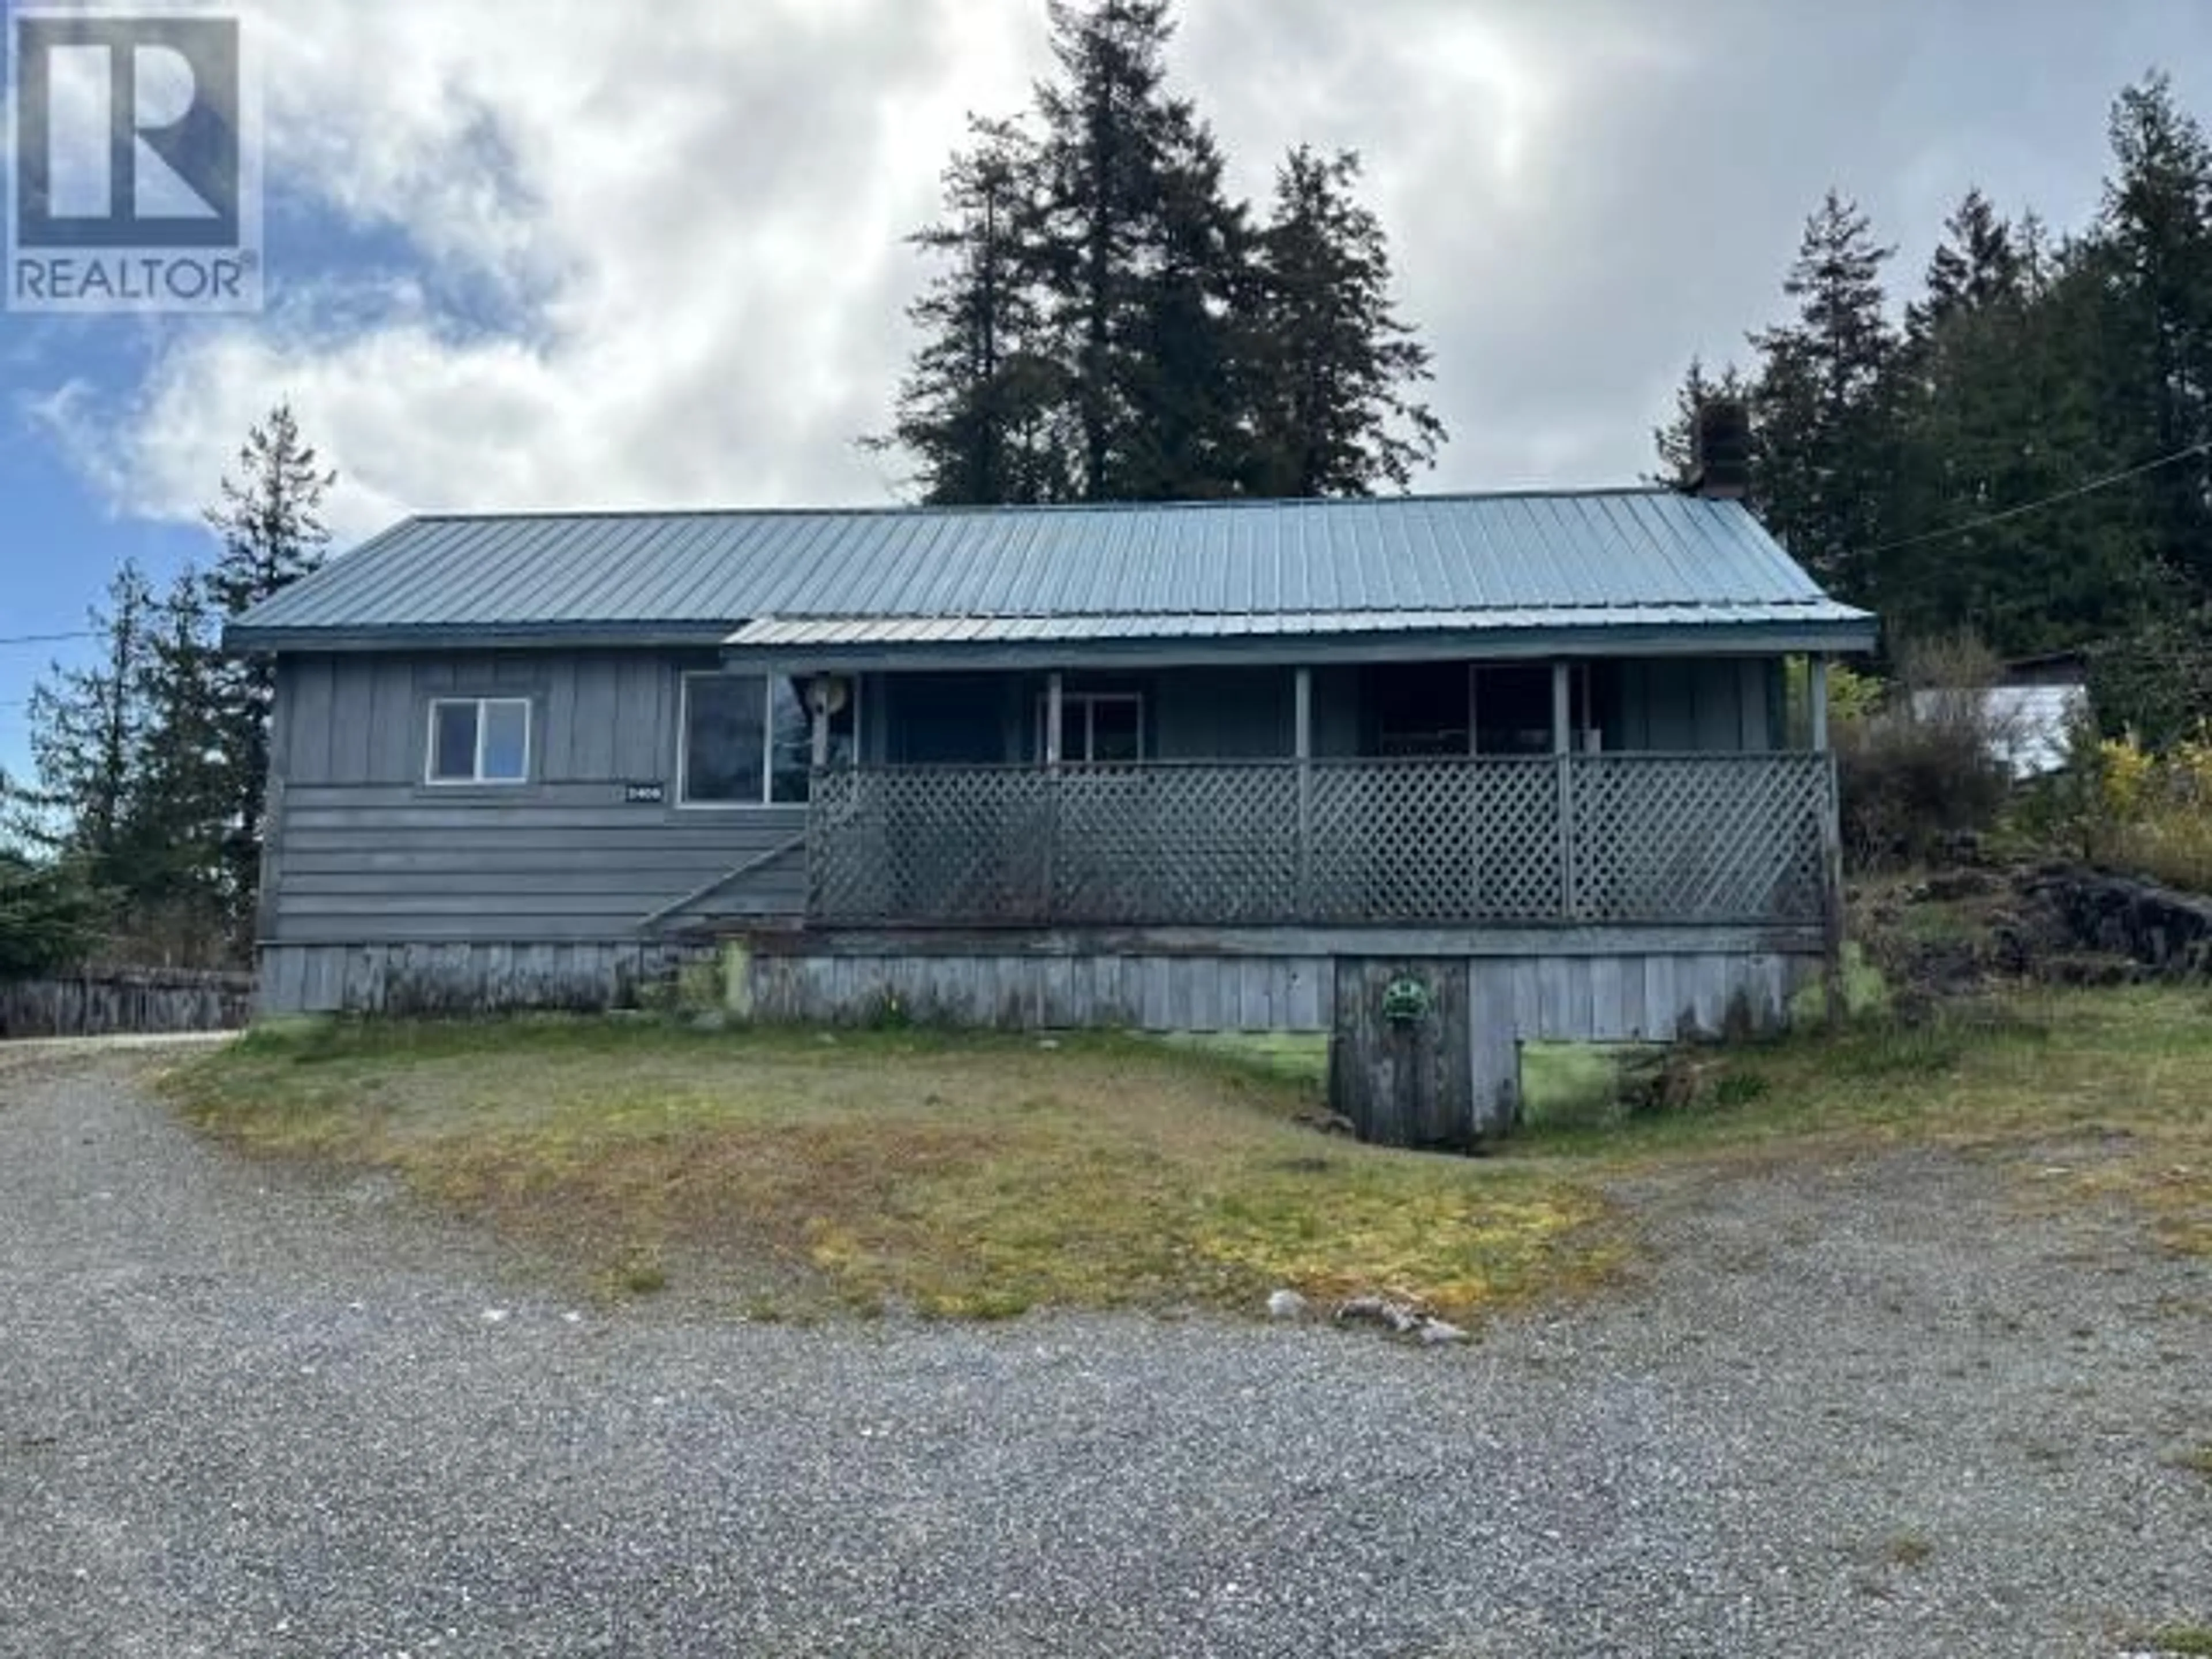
2169	934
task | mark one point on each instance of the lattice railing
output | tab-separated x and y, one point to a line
1698	838
1614	838
1436	841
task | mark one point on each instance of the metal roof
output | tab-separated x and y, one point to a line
1215	569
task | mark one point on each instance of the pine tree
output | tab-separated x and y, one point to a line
977	409
180	806
1676	441
2156	227
271	533
1820	397
1335	363
1138	255
1978	264
88	734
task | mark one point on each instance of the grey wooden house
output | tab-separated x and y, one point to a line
1160	766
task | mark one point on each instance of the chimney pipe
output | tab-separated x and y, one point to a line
1721	451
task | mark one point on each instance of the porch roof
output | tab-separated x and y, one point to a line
1533	572
890	643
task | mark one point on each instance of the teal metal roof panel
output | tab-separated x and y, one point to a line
1640	553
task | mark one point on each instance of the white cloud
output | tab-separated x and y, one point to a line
686	217
694	211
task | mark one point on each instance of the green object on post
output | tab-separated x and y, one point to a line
1406	1001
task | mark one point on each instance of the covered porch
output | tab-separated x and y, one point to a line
1442	793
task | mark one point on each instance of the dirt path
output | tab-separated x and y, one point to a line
1873	1408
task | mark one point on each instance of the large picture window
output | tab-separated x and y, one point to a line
479	740
749	739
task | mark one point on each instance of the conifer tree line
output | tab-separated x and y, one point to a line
140	836
1103	323
2027	363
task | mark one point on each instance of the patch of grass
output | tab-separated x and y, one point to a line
2101	1092
2198	1460
799	1173
1866	992
1560	1082
2181	1641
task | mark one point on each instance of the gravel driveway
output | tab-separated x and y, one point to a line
1866	1409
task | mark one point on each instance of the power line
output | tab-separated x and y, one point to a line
46	639
2026	507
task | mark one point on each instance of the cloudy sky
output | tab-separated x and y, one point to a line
531	253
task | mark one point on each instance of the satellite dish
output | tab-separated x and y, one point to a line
826	693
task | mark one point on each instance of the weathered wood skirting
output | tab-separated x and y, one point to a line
462	979
120	1001
1488	941
1628	995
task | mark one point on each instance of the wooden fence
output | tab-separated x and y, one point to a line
115	1002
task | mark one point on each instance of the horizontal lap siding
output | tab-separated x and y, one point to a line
366	854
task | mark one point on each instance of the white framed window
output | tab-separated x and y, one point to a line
478	740
748	739
1097	728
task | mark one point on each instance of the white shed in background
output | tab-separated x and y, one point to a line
2028	724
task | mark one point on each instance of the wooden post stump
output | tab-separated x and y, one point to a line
1410	1064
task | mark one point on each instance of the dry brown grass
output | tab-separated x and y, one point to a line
981	1175
976	1177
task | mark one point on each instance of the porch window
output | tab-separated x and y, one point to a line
1419	709
1097	728
479	740
749	739
1513	709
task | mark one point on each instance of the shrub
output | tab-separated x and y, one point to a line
50	918
1921	767
2119	805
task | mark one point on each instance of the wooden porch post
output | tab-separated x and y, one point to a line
1053	704
1563	758
1831	847
1304	748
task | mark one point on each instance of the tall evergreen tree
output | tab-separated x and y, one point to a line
978	410
181	801
1105	324
88	737
2156	229
1977	265
1137	253
1335	364
1820	400
270	525
1989	466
